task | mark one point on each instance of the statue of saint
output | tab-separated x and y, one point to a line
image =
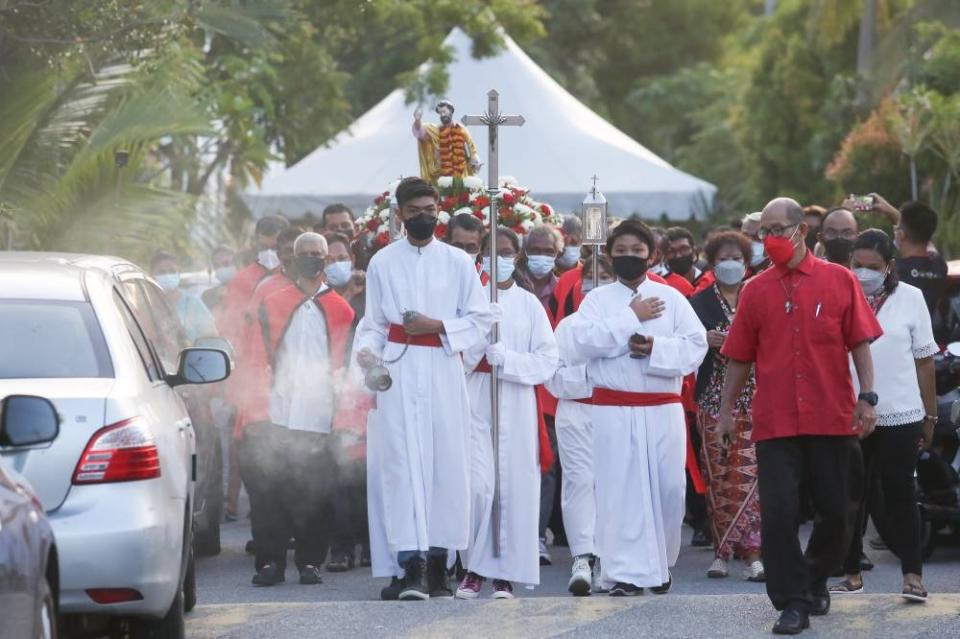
445	150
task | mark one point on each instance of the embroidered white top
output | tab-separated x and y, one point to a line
907	336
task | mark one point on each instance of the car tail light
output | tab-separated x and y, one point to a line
113	595
125	451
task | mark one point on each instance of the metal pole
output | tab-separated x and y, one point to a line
596	266
493	183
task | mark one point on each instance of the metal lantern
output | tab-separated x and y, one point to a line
593	215
394	223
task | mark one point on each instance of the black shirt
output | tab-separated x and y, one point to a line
929	274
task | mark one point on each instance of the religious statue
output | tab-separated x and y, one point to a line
445	150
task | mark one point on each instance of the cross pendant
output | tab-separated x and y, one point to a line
788	307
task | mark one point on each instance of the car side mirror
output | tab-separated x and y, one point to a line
218	343
954	348
201	366
27	421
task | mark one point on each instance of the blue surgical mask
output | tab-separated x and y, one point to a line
569	257
541	265
505	266
338	273
730	272
225	273
168	281
268	259
758	254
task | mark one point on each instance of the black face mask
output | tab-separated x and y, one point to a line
420	227
290	267
838	250
309	266
680	265
811	239
630	267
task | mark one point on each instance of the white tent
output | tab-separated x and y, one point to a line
562	145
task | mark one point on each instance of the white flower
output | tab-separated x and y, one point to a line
385	214
466	209
527	225
445	182
507	180
443	217
472	182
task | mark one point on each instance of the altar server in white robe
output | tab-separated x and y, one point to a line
525	355
425	306
638	339
573	391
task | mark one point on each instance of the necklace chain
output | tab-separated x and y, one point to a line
788	306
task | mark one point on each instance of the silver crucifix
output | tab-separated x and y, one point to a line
493	120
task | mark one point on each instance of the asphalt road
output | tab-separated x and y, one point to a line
348	605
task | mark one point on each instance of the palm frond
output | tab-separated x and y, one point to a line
248	23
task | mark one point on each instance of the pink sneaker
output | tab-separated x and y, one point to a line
502	589
470	587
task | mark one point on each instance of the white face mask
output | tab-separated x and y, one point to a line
268	259
730	272
569	257
758	253
338	273
870	280
540	265
505	266
225	273
168	281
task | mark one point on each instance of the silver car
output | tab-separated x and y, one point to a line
118	482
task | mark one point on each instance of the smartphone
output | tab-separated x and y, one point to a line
863	202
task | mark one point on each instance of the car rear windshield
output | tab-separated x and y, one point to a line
45	339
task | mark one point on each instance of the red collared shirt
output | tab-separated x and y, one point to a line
801	357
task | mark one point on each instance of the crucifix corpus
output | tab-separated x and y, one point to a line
493	120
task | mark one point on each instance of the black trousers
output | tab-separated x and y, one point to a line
290	476
350	504
832	470
889	460
549	486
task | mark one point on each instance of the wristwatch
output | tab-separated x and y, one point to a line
870	398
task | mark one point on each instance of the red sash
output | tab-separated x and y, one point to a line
609	397
398	335
585	400
545	456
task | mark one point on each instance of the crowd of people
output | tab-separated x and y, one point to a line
782	371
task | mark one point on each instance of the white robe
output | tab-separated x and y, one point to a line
639	452
424	416
531	358
578	501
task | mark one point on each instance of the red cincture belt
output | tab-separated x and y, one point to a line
483	366
585	400
398	335
608	397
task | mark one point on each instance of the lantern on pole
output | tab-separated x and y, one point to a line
593	216
394	223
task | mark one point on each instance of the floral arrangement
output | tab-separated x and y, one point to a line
517	210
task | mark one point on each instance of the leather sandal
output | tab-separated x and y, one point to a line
914	593
847	587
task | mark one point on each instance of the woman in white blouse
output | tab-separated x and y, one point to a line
906	413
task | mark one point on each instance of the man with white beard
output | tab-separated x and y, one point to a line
425	306
288	468
639	339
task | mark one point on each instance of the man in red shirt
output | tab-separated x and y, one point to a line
796	323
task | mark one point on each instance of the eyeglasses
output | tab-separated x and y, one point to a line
847	234
775	231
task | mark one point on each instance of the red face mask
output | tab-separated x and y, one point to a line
780	249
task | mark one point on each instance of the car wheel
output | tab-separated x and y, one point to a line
47	618
170	627
190	585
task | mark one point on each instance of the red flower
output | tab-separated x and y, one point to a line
447	203
518	229
464	197
482	202
373	224
440	231
509	198
381	240
478	213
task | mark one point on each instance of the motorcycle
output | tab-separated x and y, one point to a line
938	467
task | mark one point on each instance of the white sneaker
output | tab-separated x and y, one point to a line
597	581
580	576
754	571
718	569
545	559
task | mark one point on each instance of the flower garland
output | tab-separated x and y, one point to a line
517	210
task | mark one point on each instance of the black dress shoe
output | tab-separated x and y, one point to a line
340	563
820	596
792	621
415	583
392	592
310	575
700	539
269	575
623	589
438	583
250	548
663	588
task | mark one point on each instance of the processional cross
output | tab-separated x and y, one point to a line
493	120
